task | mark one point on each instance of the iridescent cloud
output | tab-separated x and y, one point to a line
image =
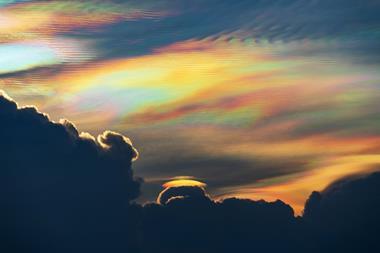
31	19
26	55
267	105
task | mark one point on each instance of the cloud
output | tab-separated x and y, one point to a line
221	172
130	28
192	222
182	192
62	189
349	22
29	19
346	214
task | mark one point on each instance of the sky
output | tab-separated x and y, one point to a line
255	99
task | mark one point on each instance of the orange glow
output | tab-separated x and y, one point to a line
295	191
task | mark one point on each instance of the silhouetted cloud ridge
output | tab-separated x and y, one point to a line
62	191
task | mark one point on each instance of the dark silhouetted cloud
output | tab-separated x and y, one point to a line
345	216
182	192
62	191
191	222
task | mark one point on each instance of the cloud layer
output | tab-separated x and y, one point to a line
271	94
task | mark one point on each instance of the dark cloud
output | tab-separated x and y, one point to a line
23	73
345	215
182	192
62	191
191	222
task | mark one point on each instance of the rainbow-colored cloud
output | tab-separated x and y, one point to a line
266	106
